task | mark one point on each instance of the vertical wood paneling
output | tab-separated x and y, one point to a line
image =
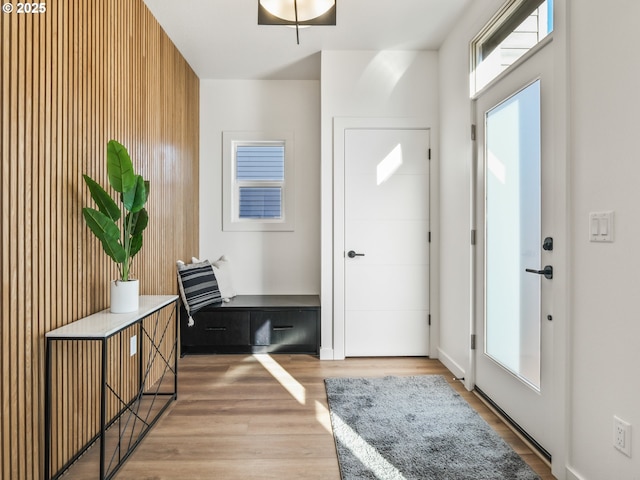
73	78
4	253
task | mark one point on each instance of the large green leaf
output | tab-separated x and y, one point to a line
112	247
139	221
135	198
104	201
119	167
106	231
101	225
136	245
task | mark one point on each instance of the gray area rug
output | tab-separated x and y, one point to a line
414	428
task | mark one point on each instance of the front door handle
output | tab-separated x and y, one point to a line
547	271
353	254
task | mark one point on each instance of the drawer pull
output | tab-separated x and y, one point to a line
283	327
215	329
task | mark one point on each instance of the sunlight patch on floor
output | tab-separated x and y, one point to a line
239	371
364	452
295	389
323	417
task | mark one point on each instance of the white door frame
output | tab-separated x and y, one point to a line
340	125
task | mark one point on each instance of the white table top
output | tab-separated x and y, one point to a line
104	324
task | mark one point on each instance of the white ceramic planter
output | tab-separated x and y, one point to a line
124	296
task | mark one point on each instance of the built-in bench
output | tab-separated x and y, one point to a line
254	324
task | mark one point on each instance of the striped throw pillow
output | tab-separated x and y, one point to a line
198	287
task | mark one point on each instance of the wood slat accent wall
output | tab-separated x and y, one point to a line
79	74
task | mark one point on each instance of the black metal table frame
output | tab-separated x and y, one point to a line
154	352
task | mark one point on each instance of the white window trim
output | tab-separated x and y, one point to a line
230	188
500	18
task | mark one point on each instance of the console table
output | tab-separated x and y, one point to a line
254	324
133	359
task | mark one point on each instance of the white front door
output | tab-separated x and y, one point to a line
386	242
515	254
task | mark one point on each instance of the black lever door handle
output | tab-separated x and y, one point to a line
352	254
547	271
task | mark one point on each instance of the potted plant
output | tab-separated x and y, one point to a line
119	226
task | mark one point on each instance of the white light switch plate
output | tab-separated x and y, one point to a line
601	226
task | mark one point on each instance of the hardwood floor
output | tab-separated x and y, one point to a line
265	417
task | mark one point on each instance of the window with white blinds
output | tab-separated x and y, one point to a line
256	202
260	162
260	179
261	176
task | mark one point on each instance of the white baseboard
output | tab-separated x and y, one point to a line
571	475
448	362
326	354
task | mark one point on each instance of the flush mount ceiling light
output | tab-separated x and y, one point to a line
297	13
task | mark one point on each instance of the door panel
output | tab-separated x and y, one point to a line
515	213
385	243
389	199
384	333
386	219
380	280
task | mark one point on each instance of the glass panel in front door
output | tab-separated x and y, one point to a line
513	203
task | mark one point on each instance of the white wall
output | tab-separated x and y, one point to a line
455	184
263	262
605	99
369	84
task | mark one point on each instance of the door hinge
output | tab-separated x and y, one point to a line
473	341
429	319
473	132
473	237
429	154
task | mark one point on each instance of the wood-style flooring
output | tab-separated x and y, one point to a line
265	417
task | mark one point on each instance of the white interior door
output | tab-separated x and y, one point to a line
387	233
515	215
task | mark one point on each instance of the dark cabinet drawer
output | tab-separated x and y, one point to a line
218	328
254	324
285	327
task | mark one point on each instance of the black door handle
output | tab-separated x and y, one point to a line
353	254
547	271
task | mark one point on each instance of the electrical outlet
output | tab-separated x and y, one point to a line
622	435
133	345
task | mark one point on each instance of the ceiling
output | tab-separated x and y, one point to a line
222	40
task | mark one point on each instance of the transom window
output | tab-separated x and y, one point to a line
518	27
258	182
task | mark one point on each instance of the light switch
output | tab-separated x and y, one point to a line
601	226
